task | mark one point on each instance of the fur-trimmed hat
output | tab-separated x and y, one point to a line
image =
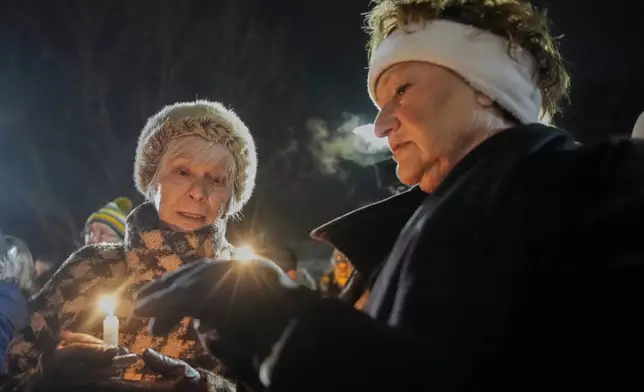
209	120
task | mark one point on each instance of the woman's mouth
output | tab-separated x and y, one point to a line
398	147
194	217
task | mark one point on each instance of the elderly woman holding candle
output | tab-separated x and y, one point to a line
196	165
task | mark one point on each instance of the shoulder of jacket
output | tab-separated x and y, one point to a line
96	253
617	160
82	262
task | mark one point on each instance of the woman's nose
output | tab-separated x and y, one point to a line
385	122
198	190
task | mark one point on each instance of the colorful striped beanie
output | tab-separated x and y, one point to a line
113	214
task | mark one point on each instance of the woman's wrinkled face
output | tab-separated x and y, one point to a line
428	115
193	193
99	233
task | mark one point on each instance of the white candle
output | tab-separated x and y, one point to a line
111	322
111	330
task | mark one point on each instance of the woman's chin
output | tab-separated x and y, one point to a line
407	176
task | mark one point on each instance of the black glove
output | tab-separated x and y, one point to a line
176	374
243	306
82	362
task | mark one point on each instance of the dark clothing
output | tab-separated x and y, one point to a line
14	314
523	271
366	235
284	257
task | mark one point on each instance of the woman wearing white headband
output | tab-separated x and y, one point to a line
521	271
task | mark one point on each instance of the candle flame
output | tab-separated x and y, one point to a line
107	303
245	253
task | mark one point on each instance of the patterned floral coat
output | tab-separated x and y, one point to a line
69	301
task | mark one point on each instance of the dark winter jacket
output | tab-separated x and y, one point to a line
69	301
523	271
14	314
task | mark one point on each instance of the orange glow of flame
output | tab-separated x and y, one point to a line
107	303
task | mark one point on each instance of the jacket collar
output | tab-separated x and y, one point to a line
145	231
366	235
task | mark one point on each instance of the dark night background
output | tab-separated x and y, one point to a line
79	78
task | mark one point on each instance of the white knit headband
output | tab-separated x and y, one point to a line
479	57
638	129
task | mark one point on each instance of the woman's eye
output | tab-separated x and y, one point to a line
183	172
218	180
401	90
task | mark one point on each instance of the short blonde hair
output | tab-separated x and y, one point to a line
515	20
200	151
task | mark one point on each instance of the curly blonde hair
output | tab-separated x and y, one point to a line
515	20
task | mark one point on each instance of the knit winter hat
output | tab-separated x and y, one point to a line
113	214
209	120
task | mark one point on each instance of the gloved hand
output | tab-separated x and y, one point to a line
79	359
82	362
176	375
243	306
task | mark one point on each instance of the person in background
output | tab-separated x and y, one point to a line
333	282
107	225
344	281
16	285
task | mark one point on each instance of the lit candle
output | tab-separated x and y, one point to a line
111	323
245	253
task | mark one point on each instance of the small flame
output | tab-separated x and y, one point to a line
107	304
245	253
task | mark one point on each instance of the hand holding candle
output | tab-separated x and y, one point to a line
78	357
111	322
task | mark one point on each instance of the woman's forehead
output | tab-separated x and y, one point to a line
223	164
208	156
